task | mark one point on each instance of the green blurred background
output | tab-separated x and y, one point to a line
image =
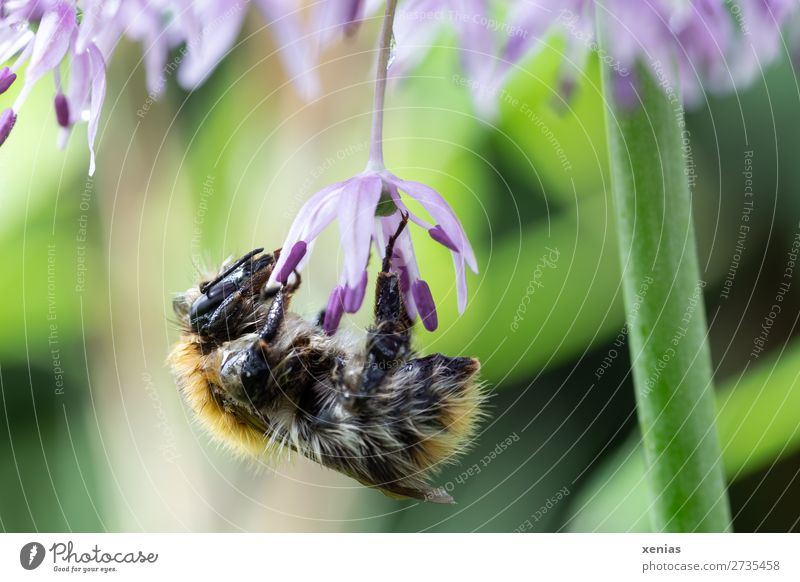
94	434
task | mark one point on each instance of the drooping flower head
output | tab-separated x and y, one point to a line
369	208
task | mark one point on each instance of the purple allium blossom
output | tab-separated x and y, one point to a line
79	37
716	45
369	207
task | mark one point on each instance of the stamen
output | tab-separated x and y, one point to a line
334	311
62	110
7	120
439	235
425	305
292	260
354	297
7	78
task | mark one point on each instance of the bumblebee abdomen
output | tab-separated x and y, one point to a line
445	408
422	417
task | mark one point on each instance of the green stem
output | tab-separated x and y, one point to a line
384	56
664	308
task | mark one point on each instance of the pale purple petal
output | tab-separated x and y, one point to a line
359	199
98	72
476	41
440	210
416	28
625	90
53	38
461	282
401	206
314	215
294	48
214	35
96	15
80	86
332	18
13	42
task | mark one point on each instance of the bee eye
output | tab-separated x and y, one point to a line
212	298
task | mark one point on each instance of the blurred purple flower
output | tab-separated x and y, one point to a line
369	209
421	22
719	45
80	35
332	18
211	28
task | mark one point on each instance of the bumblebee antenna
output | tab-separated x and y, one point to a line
230	269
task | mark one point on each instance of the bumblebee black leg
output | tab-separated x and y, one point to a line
387	257
389	340
275	316
288	289
253	367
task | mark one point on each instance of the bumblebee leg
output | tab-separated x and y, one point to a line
387	257
289	289
253	366
275	315
389	340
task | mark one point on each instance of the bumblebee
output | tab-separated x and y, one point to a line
263	380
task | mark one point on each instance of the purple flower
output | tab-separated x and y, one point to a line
369	208
719	45
81	35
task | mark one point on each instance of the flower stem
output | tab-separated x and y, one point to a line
384	54
664	308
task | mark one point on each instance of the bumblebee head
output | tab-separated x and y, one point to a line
223	308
